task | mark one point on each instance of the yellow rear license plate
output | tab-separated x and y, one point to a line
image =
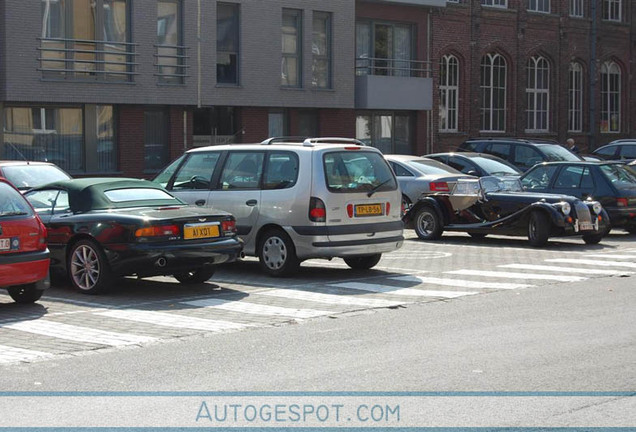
368	209
199	231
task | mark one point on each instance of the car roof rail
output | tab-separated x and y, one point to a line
309	142
283	140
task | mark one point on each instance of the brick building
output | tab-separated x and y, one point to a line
534	68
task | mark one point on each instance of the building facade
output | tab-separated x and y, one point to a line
553	69
121	87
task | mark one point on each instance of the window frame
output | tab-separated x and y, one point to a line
576	8
575	97
237	53
537	98
539	6
175	51
612	10
610	97
449	92
503	4
327	56
297	54
489	89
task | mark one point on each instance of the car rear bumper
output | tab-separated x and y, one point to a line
165	259
24	268
622	217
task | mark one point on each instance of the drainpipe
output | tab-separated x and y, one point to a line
429	117
199	54
592	61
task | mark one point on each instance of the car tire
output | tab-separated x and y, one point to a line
88	268
406	204
593	238
363	262
277	254
195	276
428	224
477	235
538	228
28	293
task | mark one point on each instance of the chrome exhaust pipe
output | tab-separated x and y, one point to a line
161	262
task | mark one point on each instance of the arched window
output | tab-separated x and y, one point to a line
610	97
538	94
575	97
493	93
448	93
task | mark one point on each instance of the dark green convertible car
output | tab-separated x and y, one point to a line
102	228
494	205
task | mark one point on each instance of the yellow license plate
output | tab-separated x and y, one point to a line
368	209
198	231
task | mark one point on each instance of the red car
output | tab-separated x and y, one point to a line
24	256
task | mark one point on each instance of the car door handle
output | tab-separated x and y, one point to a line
200	202
251	202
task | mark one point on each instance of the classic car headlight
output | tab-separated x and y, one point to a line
566	208
597	207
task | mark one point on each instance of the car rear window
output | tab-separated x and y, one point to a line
619	175
494	167
130	195
29	176
432	167
12	203
558	153
357	171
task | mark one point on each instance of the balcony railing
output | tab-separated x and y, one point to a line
171	63
83	59
392	67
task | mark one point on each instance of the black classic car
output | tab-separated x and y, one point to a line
498	205
101	228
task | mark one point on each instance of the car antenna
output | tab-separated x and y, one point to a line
18	151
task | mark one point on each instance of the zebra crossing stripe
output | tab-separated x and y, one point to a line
399	291
12	354
560	269
460	283
592	262
510	275
256	309
612	256
172	320
330	298
77	333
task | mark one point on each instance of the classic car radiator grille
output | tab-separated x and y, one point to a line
582	212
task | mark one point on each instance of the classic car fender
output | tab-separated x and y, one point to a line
423	201
555	215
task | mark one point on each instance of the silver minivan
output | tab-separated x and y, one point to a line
296	200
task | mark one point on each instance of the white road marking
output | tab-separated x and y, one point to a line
256	309
509	275
612	256
560	269
77	333
400	291
11	354
172	320
330	298
460	282
593	262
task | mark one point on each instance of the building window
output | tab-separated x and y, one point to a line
538	94
156	139
575	98
493	93
308	123
227	43
170	52
448	94
321	50
291	65
86	40
612	10
58	135
391	132
277	124
495	3
386	49
576	8
539	5
610	97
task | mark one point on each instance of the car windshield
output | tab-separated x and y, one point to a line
425	166
28	176
619	175
358	171
497	184
12	203
494	167
555	152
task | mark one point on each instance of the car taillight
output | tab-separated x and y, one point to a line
387	208
158	231
228	227
621	202
317	211
439	187
43	233
350	210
